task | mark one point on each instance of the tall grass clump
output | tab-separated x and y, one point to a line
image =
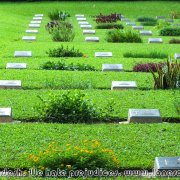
58	15
170	31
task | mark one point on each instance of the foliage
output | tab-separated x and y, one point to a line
168	76
175	15
123	36
147	21
153	55
162	24
147	67
109	26
108	18
64	52
170	31
174	41
61	65
90	154
58	15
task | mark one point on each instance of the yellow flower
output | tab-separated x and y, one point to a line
76	147
68	166
36	159
68	144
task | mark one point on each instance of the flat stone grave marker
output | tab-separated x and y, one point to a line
79	15
86	26
29	38
92	39
112	67
35	22
177	56
12	84
160	17
23	54
32	31
144	116
170	20
176	25
119	85
16	66
155	40
166	164
89	31
34	25
138	27
5	115
103	54
39	15
37	18
125	20
83	23
146	33
81	19
131	24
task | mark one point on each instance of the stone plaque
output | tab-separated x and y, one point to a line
103	54
131	24
23	54
146	33
81	19
16	66
32	31
177	56
86	26
155	40
138	27
83	23
35	22
34	25
89	31
29	38
12	84
37	18
39	15
119	85
112	67
5	115
170	20
160	17
92	39
144	116
125	20
79	15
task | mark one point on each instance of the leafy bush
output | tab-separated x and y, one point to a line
174	41
108	18
60	65
168	76
89	154
58	15
109	26
153	54
71	107
147	21
147	67
162	24
169	31
123	36
175	15
64	52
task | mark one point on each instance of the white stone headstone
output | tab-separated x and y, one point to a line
5	115
32	31
177	56
155	40
119	85
81	19
144	116
170	20
103	54
92	39
15	84
22	53
146	33
29	38
16	66
34	25
86	26
89	31
131	24
37	18
39	15
83	23
160	17
35	22
79	15
125	20
112	67
138	27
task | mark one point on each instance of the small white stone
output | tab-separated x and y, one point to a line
37	18
39	15
32	31
125	20
92	39
34	25
83	23
103	54
35	22
5	111
81	19
16	66
10	84
138	27
160	17
89	31
146	33
86	26
29	38
79	15
22	53
177	56
119	85
112	67
155	40
131	24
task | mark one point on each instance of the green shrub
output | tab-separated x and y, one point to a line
123	36
58	15
162	24
89	154
174	41
153	55
61	65
169	31
168	77
64	52
147	21
71	107
109	26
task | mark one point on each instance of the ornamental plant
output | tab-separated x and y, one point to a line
147	67
90	154
113	17
109	26
170	31
58	15
147	21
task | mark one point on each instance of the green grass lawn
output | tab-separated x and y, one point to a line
136	146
